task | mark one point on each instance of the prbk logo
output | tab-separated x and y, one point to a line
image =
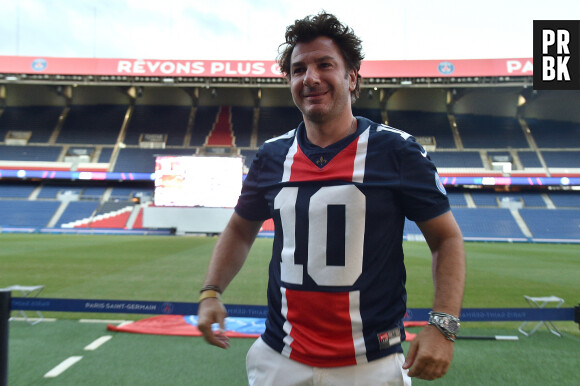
557	54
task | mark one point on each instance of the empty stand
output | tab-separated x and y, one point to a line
553	224
30	153
40	120
221	133
554	134
242	119
456	159
203	123
92	124
23	213
484	131
565	199
275	121
77	210
487	223
169	120
105	156
531	199
372	114
424	124
52	191
562	159
143	160
456	199
529	159
485	199
248	157
16	190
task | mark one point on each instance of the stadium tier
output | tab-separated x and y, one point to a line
114	134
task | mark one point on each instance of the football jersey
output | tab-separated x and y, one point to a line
336	290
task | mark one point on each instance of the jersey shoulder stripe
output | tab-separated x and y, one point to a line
382	127
287	135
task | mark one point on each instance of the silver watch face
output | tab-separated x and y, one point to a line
450	325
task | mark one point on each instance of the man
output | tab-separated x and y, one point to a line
338	189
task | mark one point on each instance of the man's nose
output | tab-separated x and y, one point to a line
311	78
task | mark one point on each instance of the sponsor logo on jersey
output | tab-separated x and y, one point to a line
440	184
389	338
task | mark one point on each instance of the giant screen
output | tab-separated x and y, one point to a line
198	181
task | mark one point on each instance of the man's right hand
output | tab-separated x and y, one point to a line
212	311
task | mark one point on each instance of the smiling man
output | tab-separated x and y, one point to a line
338	188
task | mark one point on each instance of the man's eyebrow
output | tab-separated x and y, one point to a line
317	60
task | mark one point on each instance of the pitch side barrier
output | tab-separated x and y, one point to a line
9	304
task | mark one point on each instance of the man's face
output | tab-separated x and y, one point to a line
319	81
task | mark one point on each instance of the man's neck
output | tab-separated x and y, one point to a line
324	134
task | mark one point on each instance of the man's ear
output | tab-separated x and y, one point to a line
352	79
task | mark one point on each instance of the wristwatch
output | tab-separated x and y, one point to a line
447	324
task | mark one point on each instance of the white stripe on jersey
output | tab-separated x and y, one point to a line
287	326
358	174
289	160
286	135
358	338
403	134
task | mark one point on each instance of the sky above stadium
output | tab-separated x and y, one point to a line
253	29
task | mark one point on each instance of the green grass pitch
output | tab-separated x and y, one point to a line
172	269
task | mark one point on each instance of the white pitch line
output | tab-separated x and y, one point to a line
98	343
110	321
62	367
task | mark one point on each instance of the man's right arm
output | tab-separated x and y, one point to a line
227	259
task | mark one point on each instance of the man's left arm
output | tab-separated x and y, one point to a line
431	351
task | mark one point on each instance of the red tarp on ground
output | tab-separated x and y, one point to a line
187	326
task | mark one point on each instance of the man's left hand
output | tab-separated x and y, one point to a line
429	355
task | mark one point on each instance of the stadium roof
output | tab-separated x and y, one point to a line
232	73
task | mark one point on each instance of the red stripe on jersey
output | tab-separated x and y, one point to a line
341	167
321	328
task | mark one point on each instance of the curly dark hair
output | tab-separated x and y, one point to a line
323	24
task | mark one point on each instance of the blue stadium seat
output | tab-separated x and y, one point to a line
529	159
275	121
456	199
30	153
553	224
562	159
24	213
565	199
485	131
487	222
456	159
554	134
40	120
93	124
242	119
9	190
205	117
77	210
170	120
424	124
372	114
143	160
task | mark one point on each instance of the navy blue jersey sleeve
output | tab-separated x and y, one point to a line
422	194
252	204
